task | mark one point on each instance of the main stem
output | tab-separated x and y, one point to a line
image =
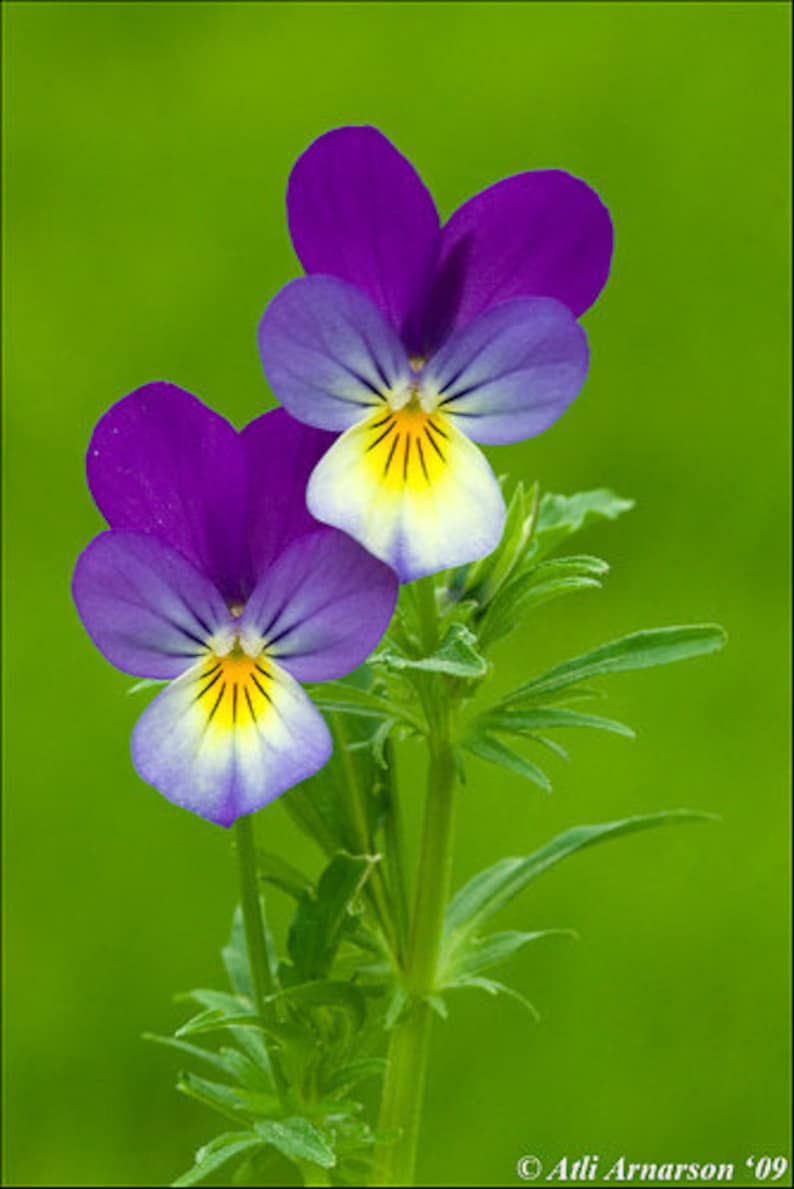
403	1089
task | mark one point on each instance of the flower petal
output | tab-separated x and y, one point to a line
358	210
281	454
539	234
328	353
413	490
322	608
161	462
226	749
147	609
510	373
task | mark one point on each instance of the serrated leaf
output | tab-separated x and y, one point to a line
640	650
494	887
297	1139
457	656
320	917
488	747
560	516
481	953
212	1158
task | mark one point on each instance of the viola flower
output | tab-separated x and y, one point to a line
214	576
415	341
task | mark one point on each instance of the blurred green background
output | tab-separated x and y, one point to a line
146	149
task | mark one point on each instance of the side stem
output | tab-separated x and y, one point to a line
254	925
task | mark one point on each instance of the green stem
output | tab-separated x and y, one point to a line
407	1058
375	889
254	924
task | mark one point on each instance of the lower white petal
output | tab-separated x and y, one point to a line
412	489
228	736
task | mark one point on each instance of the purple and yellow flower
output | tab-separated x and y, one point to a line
413	341
214	577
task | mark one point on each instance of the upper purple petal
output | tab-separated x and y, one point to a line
280	455
538	234
510	373
328	353
161	462
147	609
322	608
358	210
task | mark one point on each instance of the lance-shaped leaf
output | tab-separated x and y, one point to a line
278	871
488	747
483	953
535	585
336	695
218	1155
523	722
492	987
494	887
321	915
641	650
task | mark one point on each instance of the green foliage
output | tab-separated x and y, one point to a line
285	1077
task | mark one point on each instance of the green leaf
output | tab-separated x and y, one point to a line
327	993
275	870
235	958
481	953
321	915
494	887
354	1072
457	656
483	578
214	1020
214	1156
189	1050
488	747
335	695
560	516
218	1095
641	650
297	1139
492	987
519	722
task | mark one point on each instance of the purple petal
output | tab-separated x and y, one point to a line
161	462
510	373
228	748
147	609
281	454
322	608
328	353
358	210
540	234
